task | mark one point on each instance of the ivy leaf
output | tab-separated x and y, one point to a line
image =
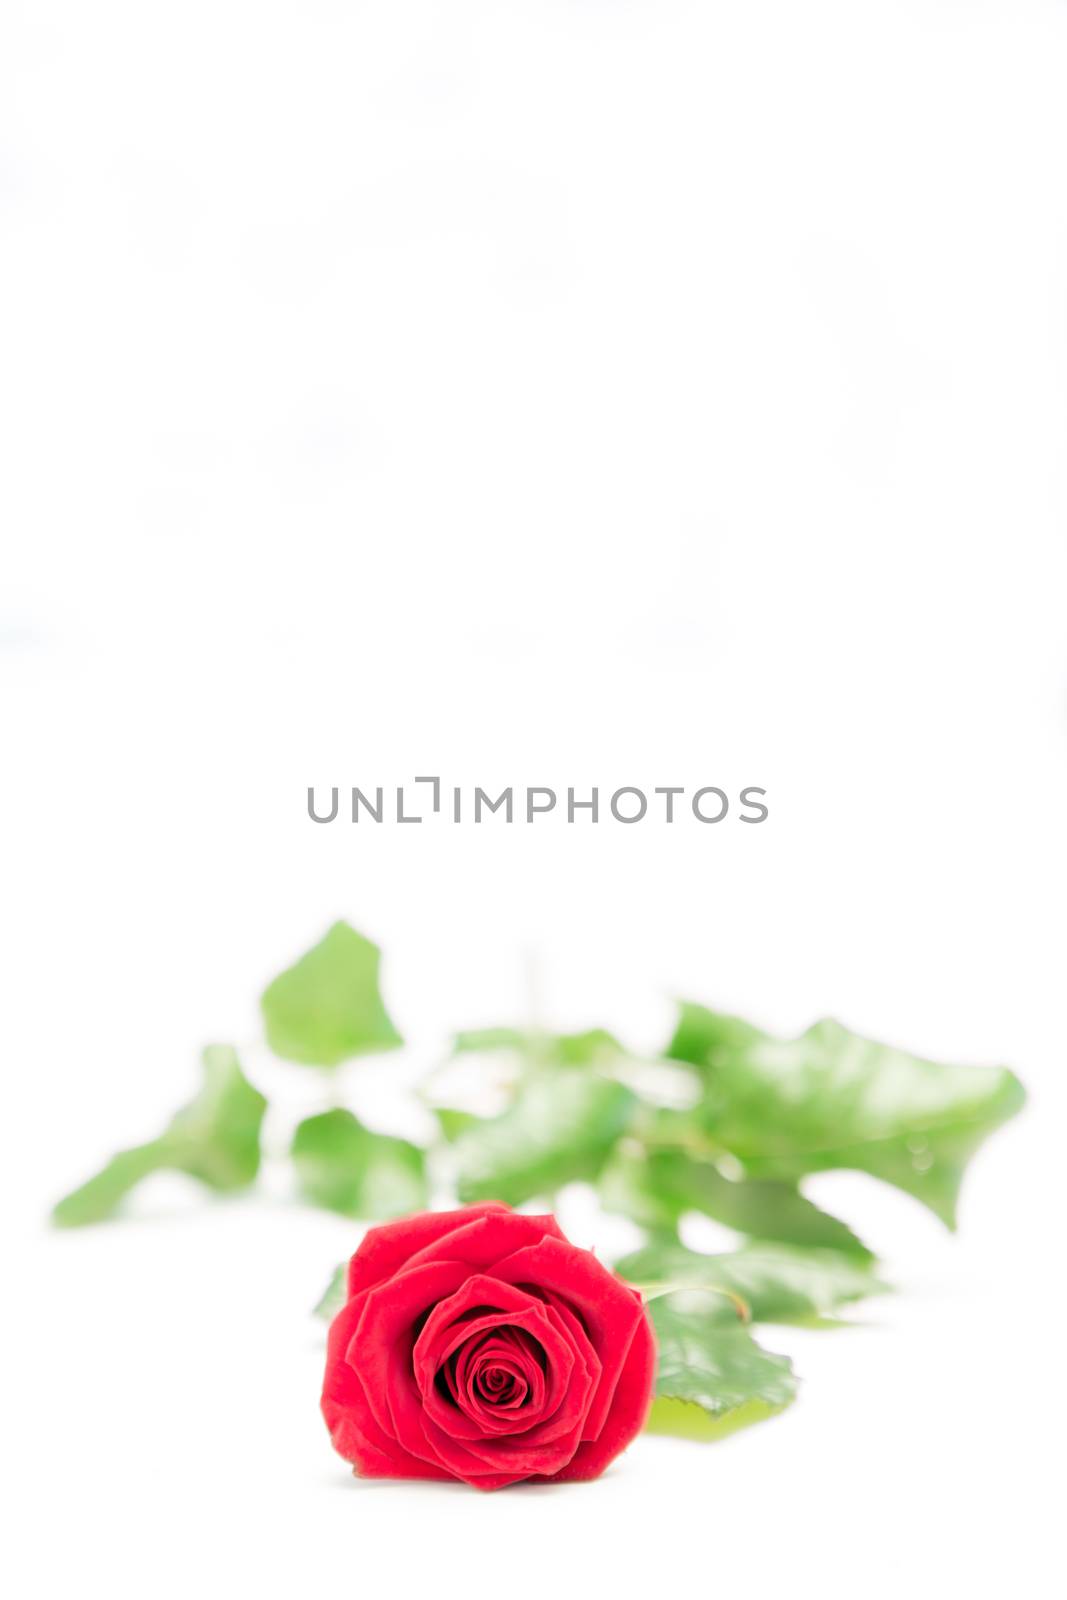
656	1187
215	1138
777	1283
832	1099
558	1129
328	1007
334	1295
713	1377
343	1166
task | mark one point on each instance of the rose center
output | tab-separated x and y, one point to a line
500	1385
497	1373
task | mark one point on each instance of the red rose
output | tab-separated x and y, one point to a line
480	1344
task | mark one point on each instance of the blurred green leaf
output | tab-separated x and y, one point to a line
452	1122
101	1195
592	1047
701	1036
328	1007
215	1138
625	1186
343	1166
559	1129
656	1187
713	1377
777	1283
831	1099
334	1295
474	1040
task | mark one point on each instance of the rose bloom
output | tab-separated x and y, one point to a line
482	1345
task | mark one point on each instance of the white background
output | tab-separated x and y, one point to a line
568	392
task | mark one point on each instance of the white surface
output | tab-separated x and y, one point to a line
557	393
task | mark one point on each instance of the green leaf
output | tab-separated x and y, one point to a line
591	1047
831	1099
713	1377
334	1295
328	1008
777	1283
215	1138
656	1187
559	1128
343	1166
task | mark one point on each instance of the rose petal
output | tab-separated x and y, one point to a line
385	1249
381	1349
421	1436
485	1239
384	1337
610	1309
629	1411
353	1430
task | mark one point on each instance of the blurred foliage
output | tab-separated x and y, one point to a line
344	1167
830	1099
559	1129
